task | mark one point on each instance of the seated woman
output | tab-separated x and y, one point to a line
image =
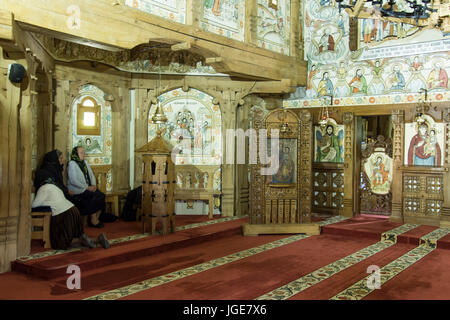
66	228
81	181
52	167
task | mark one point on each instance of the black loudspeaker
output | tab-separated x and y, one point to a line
16	73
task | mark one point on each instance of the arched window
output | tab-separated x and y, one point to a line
89	115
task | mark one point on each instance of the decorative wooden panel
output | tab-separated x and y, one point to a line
273	203
422	194
328	188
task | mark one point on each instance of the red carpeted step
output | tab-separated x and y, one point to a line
255	275
361	227
55	266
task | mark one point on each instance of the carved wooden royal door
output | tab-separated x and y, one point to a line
376	177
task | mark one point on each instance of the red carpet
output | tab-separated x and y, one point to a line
87	259
251	277
426	279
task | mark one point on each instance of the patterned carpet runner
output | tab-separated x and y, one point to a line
388	239
428	243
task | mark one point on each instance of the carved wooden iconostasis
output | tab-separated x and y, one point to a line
401	170
281	197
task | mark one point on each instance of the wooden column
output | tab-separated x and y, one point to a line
398	120
349	158
10	166
305	155
120	107
445	212
228	108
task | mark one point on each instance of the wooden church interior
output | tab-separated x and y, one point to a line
346	86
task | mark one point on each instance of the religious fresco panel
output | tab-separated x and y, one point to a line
379	169
224	17
98	148
274	26
174	10
194	125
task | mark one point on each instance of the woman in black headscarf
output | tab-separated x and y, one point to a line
52	167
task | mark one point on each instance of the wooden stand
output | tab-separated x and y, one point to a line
158	185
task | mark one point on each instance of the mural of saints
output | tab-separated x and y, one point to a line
329	143
416	81
438	78
358	84
376	86
424	149
214	5
396	78
325	86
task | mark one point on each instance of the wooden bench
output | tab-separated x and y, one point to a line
41	220
197	183
101	172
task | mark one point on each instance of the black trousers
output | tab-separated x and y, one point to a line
89	202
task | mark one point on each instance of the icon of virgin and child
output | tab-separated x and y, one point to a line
424	148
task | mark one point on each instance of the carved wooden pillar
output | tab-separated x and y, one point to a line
398	120
228	107
349	158
305	156
9	167
445	211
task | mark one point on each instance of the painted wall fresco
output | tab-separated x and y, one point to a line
379	169
174	10
325	32
224	17
394	61
329	143
98	148
192	117
274	26
424	143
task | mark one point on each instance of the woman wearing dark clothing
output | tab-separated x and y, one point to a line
66	227
52	167
81	181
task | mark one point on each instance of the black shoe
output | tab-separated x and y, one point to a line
98	225
85	241
101	239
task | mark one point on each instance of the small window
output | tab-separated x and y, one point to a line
89	115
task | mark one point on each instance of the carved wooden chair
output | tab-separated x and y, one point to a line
111	197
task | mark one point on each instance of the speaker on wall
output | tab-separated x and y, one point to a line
16	73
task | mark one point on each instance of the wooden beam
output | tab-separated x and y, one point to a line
126	27
181	46
6	24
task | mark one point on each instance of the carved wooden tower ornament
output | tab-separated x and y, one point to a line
281	200
158	180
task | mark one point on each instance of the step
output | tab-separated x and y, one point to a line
53	267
